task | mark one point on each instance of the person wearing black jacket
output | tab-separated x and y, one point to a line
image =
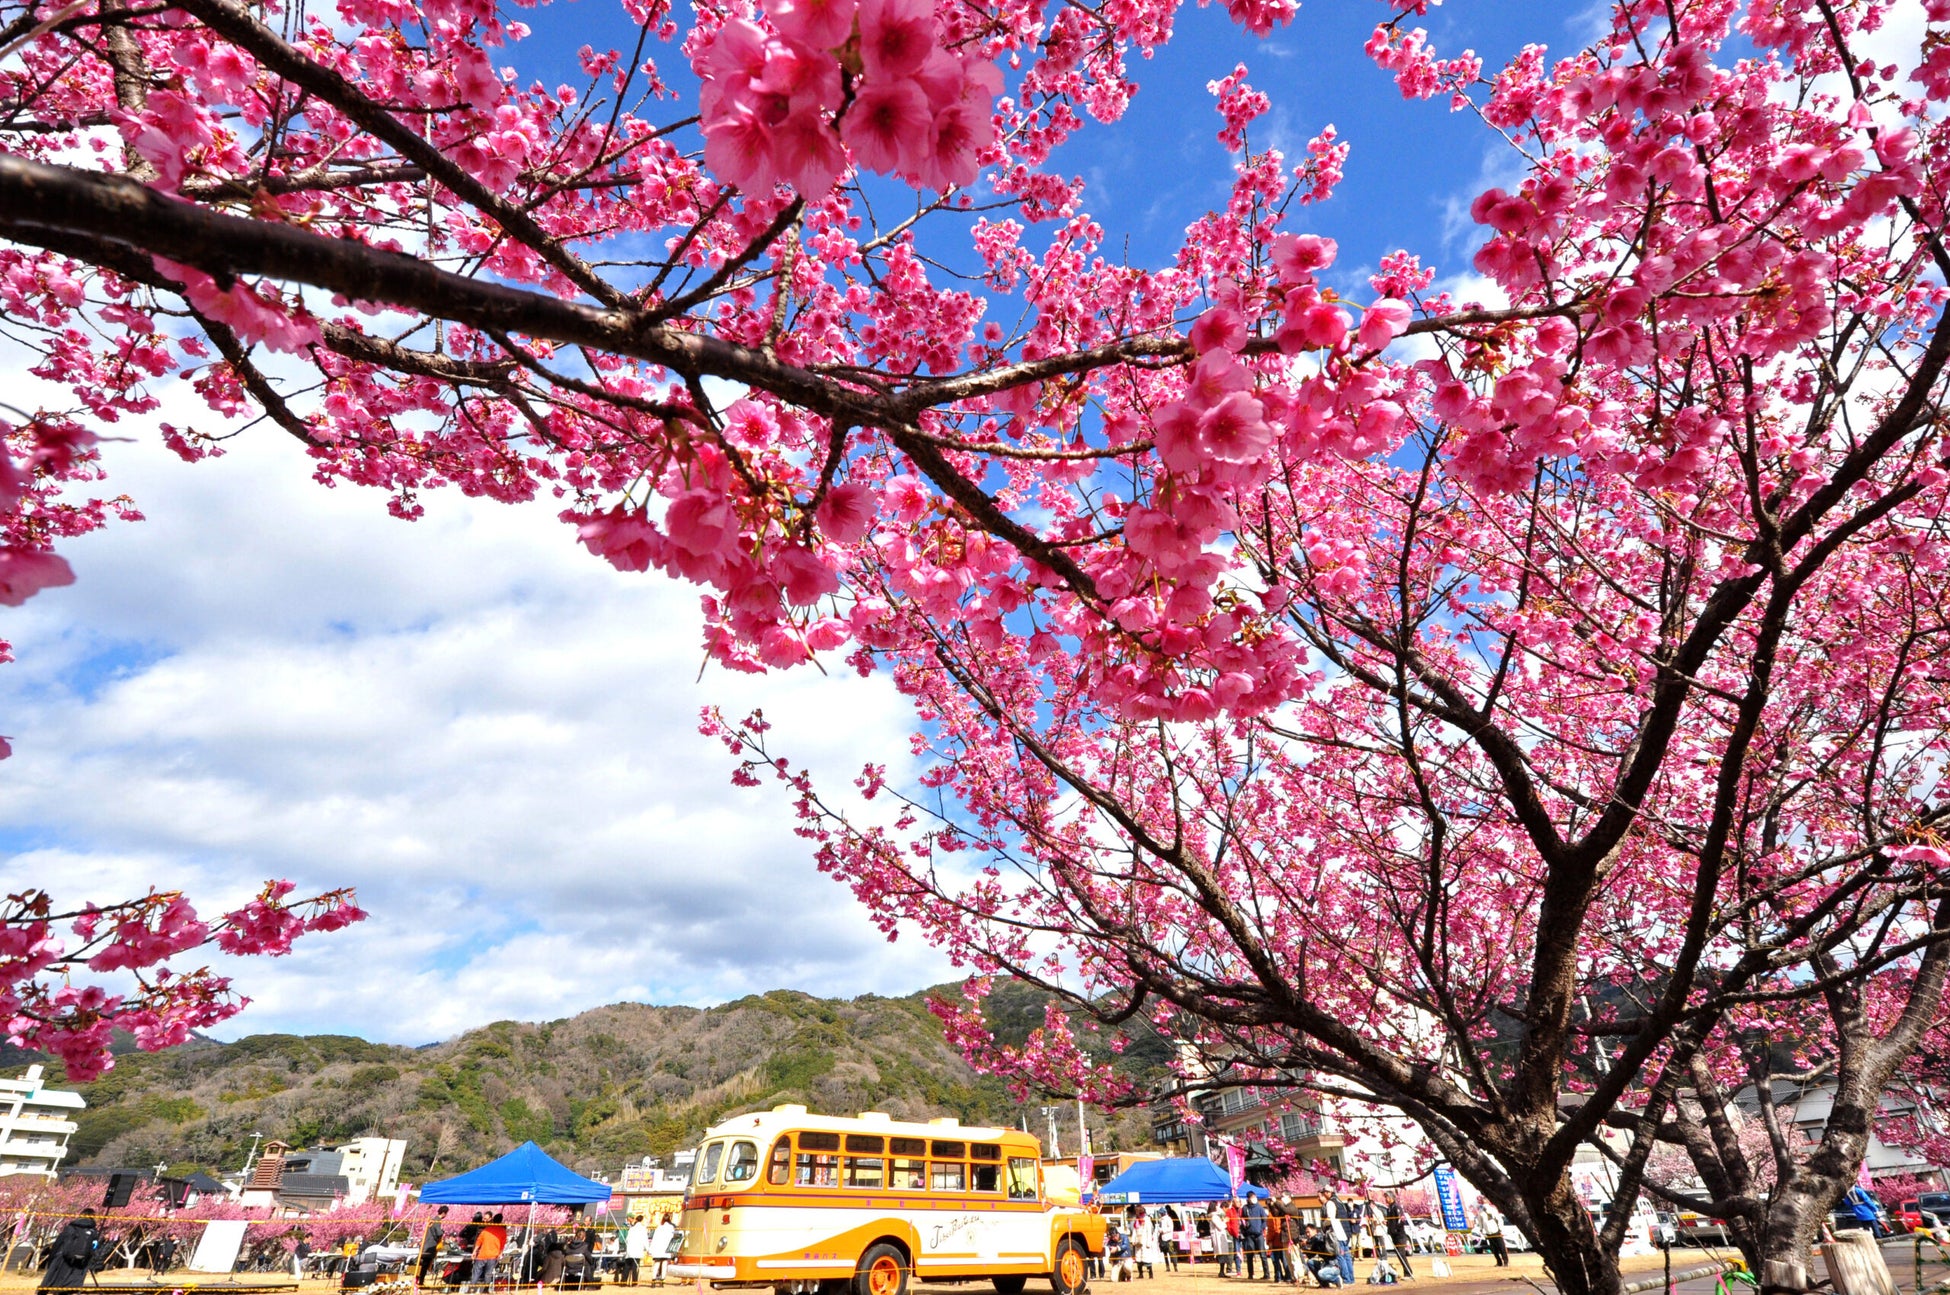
1318	1254
74	1254
554	1256
1396	1221
430	1245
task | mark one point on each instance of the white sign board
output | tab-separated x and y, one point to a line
216	1251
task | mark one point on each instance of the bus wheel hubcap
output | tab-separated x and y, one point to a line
1072	1269
885	1277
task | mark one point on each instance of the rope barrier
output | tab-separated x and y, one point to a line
231	1288
376	1220
1691	1274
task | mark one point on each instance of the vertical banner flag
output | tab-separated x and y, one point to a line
1087	1173
1235	1164
1448	1193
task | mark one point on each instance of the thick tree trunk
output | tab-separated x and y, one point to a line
1786	1264
1560	1227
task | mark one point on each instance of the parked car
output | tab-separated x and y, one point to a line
1513	1240
1699	1230
1844	1220
1921	1213
1658	1228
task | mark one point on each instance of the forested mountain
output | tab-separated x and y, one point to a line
597	1089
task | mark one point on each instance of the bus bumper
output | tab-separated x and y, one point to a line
725	1271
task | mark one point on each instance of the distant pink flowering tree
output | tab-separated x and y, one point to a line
128	956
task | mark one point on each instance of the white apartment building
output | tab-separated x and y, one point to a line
35	1124
371	1167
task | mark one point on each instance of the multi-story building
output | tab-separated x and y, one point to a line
35	1124
1807	1107
371	1167
1284	1127
361	1170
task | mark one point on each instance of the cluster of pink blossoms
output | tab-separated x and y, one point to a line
77	1022
785	105
764	591
1219	439
26	569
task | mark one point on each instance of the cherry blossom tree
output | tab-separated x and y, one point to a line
125	955
1736	1154
1470	701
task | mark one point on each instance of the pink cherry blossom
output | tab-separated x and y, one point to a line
25	572
701	522
888	125
847	512
820	24
1383	322
896	37
623	537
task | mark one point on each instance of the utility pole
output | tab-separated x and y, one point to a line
1049	1120
1083	1131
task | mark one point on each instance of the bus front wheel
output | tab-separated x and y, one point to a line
882	1271
1072	1268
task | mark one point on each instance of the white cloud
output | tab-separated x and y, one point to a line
486	730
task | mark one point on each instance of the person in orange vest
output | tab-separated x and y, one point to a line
488	1245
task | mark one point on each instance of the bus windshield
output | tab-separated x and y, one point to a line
705	1170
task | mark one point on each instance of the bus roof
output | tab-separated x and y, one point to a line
784	1119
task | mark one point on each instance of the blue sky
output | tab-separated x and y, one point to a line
492	734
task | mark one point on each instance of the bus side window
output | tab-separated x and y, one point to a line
1022	1179
742	1167
781	1171
908	1175
817	1170
864	1171
948	1176
984	1178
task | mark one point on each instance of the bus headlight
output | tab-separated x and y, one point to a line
722	1243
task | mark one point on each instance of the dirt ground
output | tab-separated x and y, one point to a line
1203	1280
1471	1275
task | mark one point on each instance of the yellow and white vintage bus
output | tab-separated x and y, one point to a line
814	1203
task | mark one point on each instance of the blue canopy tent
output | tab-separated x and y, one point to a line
1188	1180
527	1175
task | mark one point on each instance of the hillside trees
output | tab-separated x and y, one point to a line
1328	674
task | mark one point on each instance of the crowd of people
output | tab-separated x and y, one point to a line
473	1258
1277	1241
